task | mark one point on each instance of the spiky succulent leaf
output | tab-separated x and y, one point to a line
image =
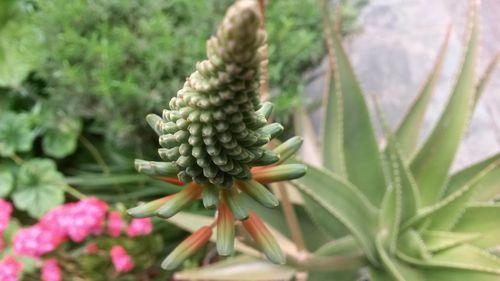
344	203
432	162
488	189
482	219
408	131
347	108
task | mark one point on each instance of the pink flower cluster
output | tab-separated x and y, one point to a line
122	262
72	221
10	269
51	271
75	221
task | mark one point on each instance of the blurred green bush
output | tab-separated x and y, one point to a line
115	61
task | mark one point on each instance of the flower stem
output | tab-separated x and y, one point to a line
95	154
73	192
291	217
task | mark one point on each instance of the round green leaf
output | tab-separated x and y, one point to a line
39	187
6	183
15	133
61	141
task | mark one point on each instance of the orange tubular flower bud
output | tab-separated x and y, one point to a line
179	201
187	248
279	173
263	237
225	230
148	209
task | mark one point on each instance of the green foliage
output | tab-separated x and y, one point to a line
39	187
15	133
18	42
425	224
116	61
6	183
61	139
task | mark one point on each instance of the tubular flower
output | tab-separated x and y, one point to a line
10	269
215	132
115	224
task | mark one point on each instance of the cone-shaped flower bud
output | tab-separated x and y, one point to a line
187	248
225	230
263	237
148	209
259	192
279	173
179	201
210	196
288	148
215	127
233	200
155	169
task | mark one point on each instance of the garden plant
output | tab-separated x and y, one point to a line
231	193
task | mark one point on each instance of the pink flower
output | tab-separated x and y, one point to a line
5	213
10	269
77	220
87	218
91	248
51	271
36	241
58	219
115	224
138	227
121	260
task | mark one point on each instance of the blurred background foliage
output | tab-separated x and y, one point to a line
78	77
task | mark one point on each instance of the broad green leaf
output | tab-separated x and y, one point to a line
488	187
333	127
483	219
242	268
432	162
342	246
439	240
334	228
445	217
6	183
343	202
445	213
461	257
361	153
401	199
39	187
398	270
408	131
448	274
411	244
61	140
15	133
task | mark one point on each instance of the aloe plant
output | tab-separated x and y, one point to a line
408	215
380	212
213	138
